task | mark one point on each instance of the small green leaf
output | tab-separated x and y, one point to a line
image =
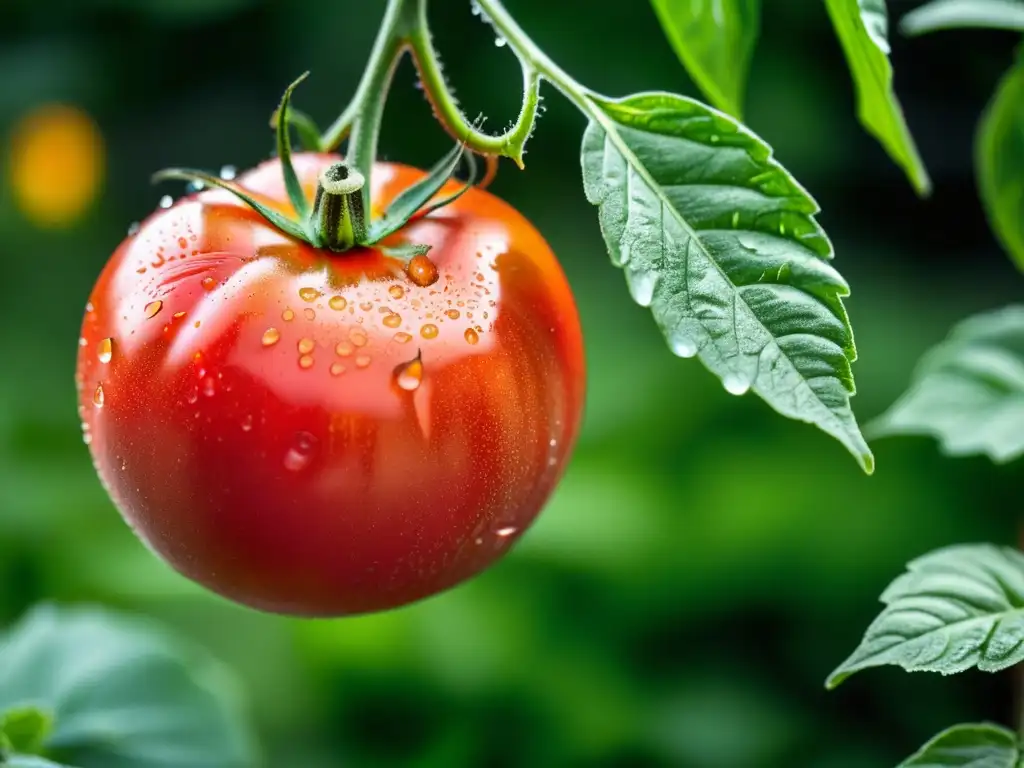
862	27
722	244
405	251
999	161
715	40
279	220
123	693
284	153
977	745
954	609
415	196
968	391
25	729
953	14
309	134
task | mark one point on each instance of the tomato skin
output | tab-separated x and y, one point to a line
310	456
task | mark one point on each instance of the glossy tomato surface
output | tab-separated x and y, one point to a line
316	434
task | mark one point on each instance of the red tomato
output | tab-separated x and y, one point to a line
313	433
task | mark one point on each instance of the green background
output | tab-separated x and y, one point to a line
705	563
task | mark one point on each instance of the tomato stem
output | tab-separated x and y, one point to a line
338	219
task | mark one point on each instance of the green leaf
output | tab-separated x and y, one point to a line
415	196
715	40
279	220
862	27
968	391
30	761
954	609
124	693
721	243
953	14
405	251
284	153
999	161
980	745
25	728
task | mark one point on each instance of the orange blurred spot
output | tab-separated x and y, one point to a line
56	164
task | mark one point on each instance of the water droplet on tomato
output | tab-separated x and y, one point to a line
472	337
153	308
228	172
453	314
429	331
98	397
506	531
247	423
287	315
209	386
337	369
396	291
301	453
182	243
392	320
358	337
409	375
166	201
82	341
735	384
402	337
208	283
366	306
306	361
105	350
309	313
422	271
309	294
133	228
362	361
306	346
344	349
270	337
500	42
337	302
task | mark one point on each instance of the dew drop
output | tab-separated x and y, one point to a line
306	346
193	396
209	386
362	361
500	42
429	331
247	423
507	531
684	347
287	315
344	349
392	320
409	375
133	228
182	243
306	362
270	337
366	306
402	337
105	350
472	337
735	384
98	397
228	172
337	369
337	302
453	314
166	201
309	294
358	337
141	271
82	342
153	308
178	315
396	291
309	313
208	283
422	271
301	453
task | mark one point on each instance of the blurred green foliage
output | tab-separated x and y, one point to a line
705	563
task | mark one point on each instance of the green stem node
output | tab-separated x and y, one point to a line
338	220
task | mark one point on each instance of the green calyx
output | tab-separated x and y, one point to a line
336	219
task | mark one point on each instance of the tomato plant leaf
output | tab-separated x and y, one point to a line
722	244
968	391
953	14
862	28
415	196
284	153
955	608
715	41
123	693
25	728
999	161
975	745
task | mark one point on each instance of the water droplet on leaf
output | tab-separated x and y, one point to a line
735	384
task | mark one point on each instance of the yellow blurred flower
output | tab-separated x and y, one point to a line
56	164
